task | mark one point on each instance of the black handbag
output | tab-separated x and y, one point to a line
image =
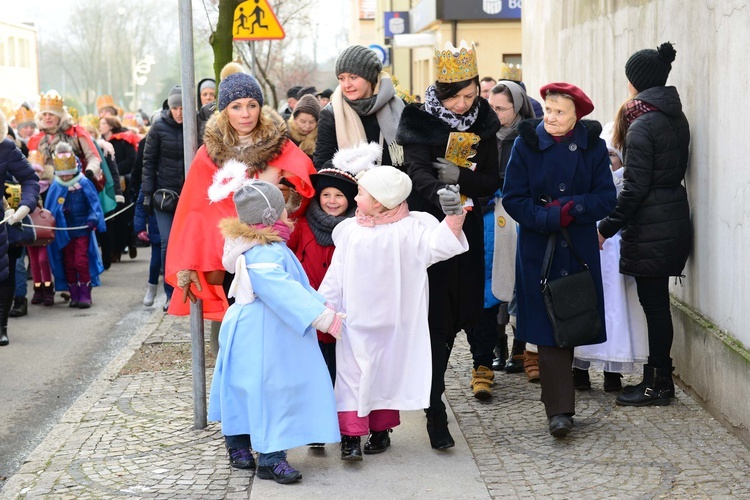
166	200
571	301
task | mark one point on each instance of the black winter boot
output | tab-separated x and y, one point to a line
501	349
20	308
656	389
437	429
6	301
351	448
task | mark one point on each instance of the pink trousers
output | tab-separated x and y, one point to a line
378	420
39	261
76	260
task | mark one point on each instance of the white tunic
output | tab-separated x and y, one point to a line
378	277
627	333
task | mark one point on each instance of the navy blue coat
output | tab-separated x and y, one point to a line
578	170
13	162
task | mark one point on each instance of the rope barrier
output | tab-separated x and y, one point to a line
4	221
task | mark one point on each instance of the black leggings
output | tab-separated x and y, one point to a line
653	293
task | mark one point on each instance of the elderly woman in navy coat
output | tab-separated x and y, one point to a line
558	176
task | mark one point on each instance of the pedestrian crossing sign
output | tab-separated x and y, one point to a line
255	20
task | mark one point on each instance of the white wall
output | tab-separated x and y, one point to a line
587	42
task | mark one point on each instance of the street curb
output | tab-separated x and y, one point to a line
37	460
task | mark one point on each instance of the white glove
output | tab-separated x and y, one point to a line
329	322
19	214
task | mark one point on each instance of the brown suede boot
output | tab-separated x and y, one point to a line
531	365
481	382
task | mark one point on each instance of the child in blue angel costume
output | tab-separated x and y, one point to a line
270	380
74	203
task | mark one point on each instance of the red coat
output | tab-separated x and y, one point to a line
314	257
195	241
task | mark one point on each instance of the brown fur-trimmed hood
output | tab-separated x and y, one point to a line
233	228
305	142
270	139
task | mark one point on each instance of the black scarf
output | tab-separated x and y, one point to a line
322	224
362	106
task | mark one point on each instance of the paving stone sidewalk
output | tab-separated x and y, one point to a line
131	436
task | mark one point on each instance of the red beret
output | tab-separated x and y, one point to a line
582	102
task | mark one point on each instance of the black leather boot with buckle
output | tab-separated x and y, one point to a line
657	388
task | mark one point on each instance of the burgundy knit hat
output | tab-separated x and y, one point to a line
582	102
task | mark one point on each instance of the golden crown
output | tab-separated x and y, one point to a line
510	72
24	115
456	64
51	102
64	159
105	101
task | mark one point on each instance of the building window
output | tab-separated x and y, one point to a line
23	53
11	51
2	52
367	9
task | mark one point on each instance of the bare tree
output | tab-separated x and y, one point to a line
96	50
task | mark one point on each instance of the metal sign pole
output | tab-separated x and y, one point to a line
190	138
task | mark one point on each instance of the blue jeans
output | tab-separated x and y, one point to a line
154	266
164	221
21	275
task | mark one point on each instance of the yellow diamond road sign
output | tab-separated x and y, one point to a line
254	20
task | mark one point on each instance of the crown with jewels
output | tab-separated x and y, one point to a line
65	160
51	102
510	72
456	64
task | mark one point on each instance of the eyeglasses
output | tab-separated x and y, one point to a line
501	110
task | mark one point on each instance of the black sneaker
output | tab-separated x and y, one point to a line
282	473
378	442
241	458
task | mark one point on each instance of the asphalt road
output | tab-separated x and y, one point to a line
56	352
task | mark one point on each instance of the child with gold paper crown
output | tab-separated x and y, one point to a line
378	278
270	383
74	203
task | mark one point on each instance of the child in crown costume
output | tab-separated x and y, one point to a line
74	203
269	328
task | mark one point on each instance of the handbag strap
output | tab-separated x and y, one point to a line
550	253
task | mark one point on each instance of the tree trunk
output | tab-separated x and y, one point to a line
221	40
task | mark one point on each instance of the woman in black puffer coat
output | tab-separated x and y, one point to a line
164	167
652	209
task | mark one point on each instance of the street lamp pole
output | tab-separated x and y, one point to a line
190	140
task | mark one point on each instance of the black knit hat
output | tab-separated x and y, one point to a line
330	176
292	92
306	91
361	61
650	68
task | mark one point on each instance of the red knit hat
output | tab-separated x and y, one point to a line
582	102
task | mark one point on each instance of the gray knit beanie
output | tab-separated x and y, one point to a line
175	97
239	86
259	202
361	61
